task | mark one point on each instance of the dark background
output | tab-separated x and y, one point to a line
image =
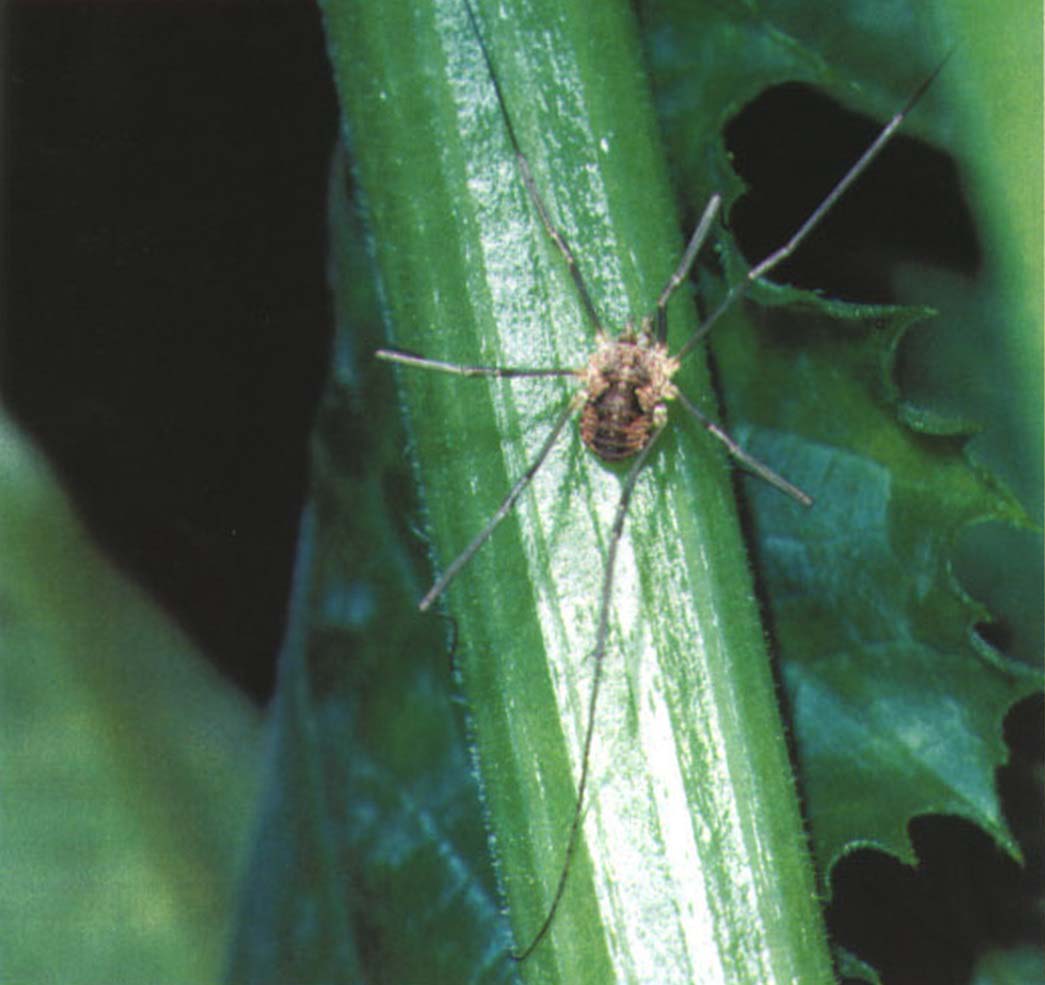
167	316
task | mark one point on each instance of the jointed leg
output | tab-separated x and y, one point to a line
779	255
422	362
761	470
599	653
558	237
502	511
555	234
696	241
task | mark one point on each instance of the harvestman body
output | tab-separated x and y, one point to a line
623	399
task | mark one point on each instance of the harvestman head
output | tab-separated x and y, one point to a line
625	388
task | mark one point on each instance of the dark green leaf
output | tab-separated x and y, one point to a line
370	858
897	703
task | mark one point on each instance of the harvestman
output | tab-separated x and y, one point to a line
625	388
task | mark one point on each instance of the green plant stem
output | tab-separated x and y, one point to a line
694	864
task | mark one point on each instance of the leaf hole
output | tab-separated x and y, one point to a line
792	144
927	924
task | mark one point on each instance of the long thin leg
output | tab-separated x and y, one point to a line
783	252
502	511
685	265
599	653
556	235
760	469
422	362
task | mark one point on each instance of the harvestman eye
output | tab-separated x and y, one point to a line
622	401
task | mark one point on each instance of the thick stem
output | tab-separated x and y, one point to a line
694	865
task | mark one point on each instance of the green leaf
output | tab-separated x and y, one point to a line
979	361
1009	966
369	859
897	704
129	766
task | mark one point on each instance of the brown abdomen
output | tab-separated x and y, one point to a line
614	425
